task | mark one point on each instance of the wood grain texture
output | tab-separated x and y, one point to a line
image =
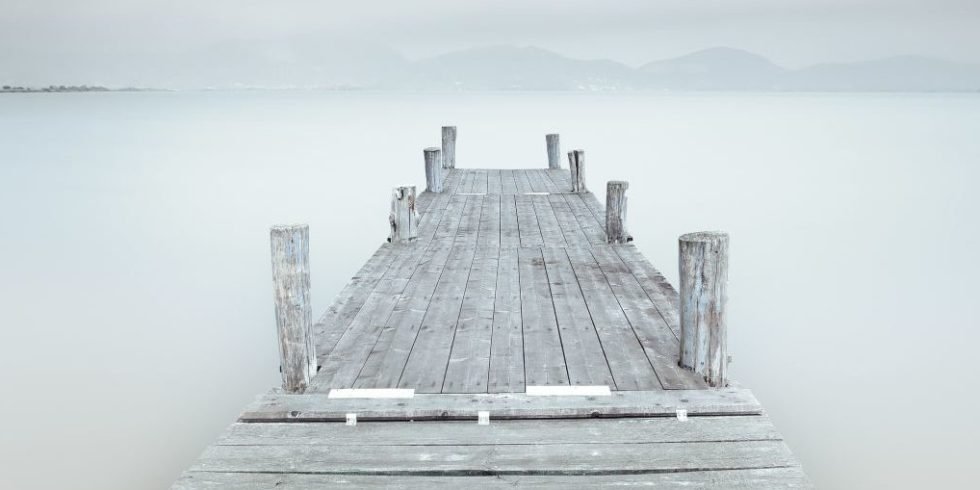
554	150
449	146
703	293
788	477
294	315
616	212
317	407
403	218
433	169
576	165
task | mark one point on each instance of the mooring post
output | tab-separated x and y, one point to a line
576	164
449	147
703	293
616	212
554	150
433	169
404	219
294	316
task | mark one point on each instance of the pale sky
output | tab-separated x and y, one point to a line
790	32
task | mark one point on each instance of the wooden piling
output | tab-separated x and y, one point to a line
433	169
703	259
449	147
404	219
294	315
576	165
616	212
554	151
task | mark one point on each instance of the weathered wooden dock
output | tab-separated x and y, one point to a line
515	297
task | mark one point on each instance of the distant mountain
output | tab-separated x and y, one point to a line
322	61
713	69
904	73
513	68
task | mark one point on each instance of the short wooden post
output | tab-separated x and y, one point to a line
576	164
449	147
433	169
616	212
703	294
554	150
294	316
404	219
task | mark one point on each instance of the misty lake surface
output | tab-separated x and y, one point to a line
135	290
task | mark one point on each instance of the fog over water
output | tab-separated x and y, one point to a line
135	292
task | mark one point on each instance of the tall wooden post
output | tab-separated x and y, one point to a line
703	294
554	150
449	147
616	212
433	169
576	164
294	316
404	219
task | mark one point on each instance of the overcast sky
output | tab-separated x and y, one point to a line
790	32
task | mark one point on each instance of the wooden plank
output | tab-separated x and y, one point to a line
593	229
507	343
508	182
276	407
551	233
537	180
570	228
544	361
788	477
527	222
510	236
481	180
343	365
523	184
512	432
494	182
657	287
659	343
583	352
469	360
562	459
561	179
425	369
334	322
628	362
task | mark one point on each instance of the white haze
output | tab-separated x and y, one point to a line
134	263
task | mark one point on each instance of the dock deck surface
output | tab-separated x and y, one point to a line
510	284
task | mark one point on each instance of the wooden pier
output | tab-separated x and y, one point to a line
509	333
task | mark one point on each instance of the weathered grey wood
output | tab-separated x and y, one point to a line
788	477
584	356
551	234
508	182
494	182
594	229
509	231
569	225
703	294
523	182
294	315
576	165
616	212
334	322
554	150
469	360
449	146
562	459
544	361
527	222
513	432
404	219
624	353
658	342
507	344
433	169
658	288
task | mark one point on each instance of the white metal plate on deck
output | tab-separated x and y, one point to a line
371	393
597	390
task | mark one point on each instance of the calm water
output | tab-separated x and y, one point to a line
135	289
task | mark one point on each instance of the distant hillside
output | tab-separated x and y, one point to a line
327	63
